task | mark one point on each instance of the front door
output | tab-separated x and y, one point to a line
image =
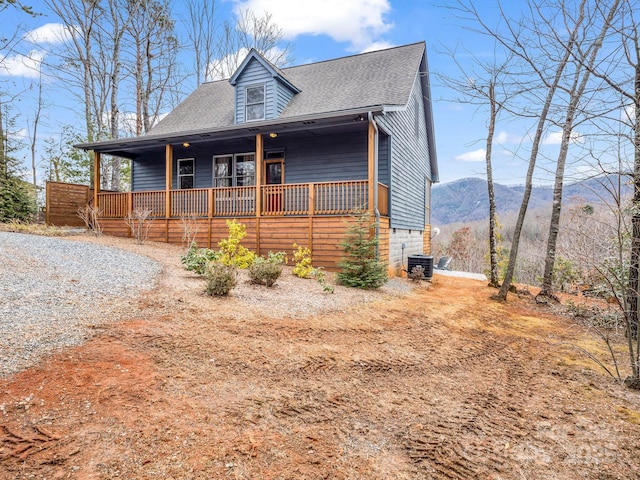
273	172
273	175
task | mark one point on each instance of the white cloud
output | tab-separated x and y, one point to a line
474	156
225	67
505	137
555	138
22	65
359	22
380	45
51	33
21	134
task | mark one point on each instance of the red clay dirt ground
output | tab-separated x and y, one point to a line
437	383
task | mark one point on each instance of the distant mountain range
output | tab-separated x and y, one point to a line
467	200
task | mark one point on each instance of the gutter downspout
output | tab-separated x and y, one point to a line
375	180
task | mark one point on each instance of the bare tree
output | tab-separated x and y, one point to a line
34	135
153	59
201	34
583	59
249	31
622	75
479	88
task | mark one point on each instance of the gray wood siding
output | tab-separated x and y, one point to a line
147	173
409	165
326	159
255	74
283	97
384	144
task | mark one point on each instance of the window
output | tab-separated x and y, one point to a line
222	171
186	173
234	170
254	103
245	171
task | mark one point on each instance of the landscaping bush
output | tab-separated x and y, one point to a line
359	266
265	271
302	258
320	278
220	278
231	251
196	259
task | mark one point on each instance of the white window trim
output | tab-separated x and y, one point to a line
263	103
233	175
188	174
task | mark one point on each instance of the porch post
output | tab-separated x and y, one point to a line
168	179
96	178
259	165
371	150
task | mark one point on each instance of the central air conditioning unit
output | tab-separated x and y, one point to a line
425	261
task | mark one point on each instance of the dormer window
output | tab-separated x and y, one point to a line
254	105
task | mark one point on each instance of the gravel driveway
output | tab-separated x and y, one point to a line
52	290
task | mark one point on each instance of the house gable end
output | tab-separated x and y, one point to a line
412	160
261	90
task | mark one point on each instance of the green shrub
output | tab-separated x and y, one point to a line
196	259
359	266
320	278
220	278
231	251
265	271
302	258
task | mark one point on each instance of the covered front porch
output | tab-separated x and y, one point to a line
315	214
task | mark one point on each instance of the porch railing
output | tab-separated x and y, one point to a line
328	198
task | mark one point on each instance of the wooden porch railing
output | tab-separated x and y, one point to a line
329	198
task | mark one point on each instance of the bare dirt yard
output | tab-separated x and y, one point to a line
429	382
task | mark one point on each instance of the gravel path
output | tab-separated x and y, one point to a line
53	290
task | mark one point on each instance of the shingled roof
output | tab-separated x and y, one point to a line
375	79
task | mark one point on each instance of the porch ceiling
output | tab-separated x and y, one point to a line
134	147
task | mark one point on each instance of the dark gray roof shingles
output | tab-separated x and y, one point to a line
383	77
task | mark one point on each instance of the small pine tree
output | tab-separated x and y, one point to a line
359	266
17	197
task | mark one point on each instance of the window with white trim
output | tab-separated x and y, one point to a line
186	173
234	170
254	103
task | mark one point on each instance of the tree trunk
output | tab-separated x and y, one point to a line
513	255
494	281
634	267
576	92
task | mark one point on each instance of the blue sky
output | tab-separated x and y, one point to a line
319	30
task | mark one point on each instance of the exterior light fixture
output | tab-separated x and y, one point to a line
186	144
273	134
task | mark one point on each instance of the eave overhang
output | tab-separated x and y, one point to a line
132	147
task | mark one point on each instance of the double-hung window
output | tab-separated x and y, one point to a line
254	103
234	170
186	172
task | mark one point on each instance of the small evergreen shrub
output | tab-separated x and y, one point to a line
220	278
265	271
231	251
302	258
196	259
359	266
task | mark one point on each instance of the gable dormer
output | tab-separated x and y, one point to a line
261	90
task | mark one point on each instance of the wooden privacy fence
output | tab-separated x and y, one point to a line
63	201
